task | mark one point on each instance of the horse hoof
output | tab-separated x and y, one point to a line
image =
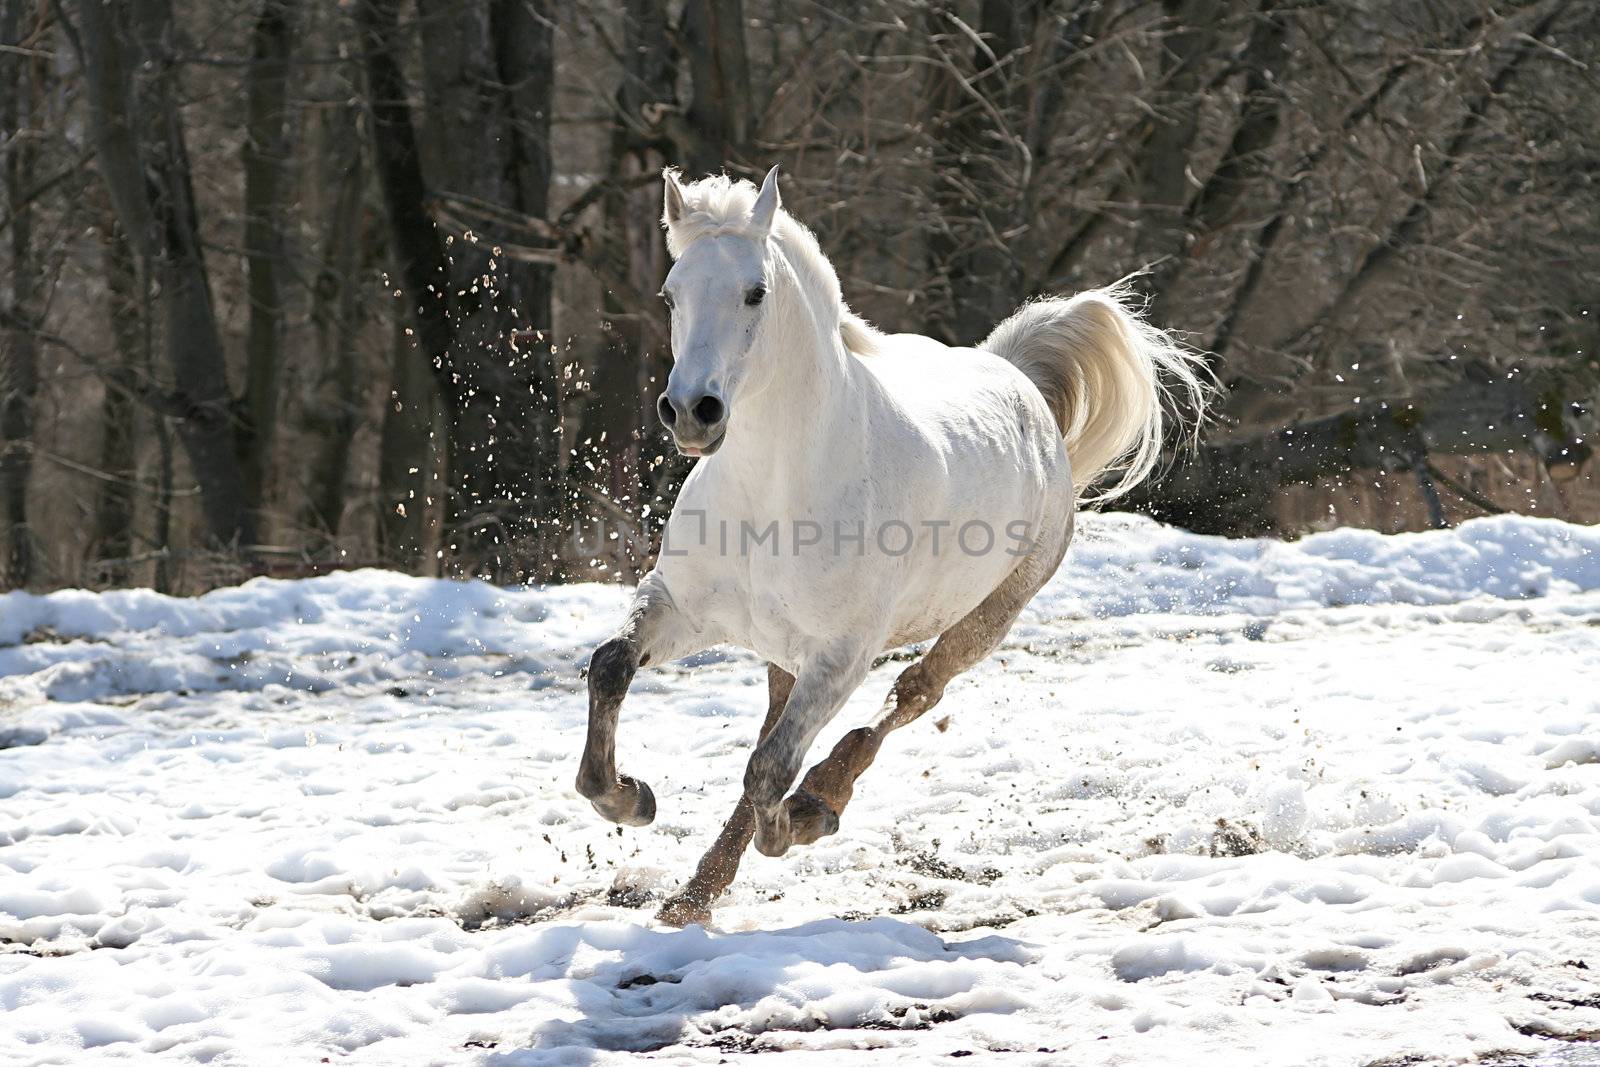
773	838
810	818
681	910
770	846
630	802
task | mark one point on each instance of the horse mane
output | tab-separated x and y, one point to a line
720	205
860	336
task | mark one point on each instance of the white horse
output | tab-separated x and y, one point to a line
856	492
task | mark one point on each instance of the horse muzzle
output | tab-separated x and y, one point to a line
698	421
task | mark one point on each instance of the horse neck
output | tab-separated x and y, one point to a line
796	427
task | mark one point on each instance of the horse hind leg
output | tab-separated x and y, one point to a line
717	868
815	807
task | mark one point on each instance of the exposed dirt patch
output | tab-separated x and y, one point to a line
1232	839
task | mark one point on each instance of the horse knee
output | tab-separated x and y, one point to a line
611	668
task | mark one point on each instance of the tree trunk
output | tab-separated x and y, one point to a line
498	409
713	42
128	72
161	533
407	457
112	540
631	366
1162	168
19	367
981	167
1228	487
266	161
424	280
333	409
524	31
1215	205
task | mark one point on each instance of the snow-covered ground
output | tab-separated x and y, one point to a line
1239	802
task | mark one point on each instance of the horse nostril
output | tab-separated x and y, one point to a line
708	409
664	408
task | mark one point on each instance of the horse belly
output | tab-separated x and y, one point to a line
1007	501
941	595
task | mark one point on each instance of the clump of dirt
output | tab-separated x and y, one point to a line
922	900
911	1017
1576	1000
1235	839
736	1042
627	896
925	862
47	635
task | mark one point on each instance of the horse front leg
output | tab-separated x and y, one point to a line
655	632
821	687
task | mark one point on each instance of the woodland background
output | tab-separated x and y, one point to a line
288	285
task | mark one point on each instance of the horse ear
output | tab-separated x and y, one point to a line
766	205
672	198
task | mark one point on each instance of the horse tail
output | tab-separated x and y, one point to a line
1109	377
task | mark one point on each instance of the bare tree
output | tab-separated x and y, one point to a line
130	70
112	543
333	408
630	365
426	251
491	383
982	162
20	73
721	110
267	154
1162	169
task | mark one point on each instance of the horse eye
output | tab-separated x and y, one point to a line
666	298
755	296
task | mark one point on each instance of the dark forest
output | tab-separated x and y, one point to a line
289	286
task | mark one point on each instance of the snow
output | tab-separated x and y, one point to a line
1334	801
